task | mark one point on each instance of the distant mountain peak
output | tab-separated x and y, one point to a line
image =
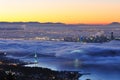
114	23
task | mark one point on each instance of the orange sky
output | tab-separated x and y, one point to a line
65	11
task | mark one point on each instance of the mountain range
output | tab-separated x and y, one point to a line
55	24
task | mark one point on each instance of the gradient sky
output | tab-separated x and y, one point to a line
65	11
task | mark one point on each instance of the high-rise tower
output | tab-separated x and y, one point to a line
112	36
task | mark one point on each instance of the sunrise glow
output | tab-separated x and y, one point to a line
65	11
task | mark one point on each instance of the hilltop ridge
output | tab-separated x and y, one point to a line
58	23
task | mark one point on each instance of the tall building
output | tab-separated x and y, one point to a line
112	35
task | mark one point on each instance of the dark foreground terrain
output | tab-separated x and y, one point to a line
11	69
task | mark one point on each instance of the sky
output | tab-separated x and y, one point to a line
64	11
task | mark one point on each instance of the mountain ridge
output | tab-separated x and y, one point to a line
58	23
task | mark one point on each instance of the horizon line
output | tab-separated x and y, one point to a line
59	22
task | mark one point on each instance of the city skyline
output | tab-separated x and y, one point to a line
63	11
